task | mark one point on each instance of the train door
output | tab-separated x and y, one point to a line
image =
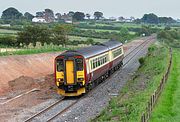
70	71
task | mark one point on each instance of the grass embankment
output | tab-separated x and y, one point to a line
133	98
168	106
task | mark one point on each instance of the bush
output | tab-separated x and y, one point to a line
141	61
170	37
8	41
151	49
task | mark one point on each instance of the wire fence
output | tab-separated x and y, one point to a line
154	97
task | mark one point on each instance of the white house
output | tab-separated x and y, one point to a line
39	20
5	25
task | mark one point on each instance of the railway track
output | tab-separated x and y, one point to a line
44	110
44	113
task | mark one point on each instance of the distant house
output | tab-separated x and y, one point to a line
39	20
128	20
112	18
66	18
5	25
122	19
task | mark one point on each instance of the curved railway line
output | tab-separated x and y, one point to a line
55	105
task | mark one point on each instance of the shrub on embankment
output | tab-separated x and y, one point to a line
170	37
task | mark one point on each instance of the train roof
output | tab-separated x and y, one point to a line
112	44
94	50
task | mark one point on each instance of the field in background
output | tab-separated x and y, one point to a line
79	38
43	49
7	32
98	36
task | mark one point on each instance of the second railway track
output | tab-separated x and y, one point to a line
61	106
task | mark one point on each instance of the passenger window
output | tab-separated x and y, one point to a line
99	62
94	65
79	64
60	65
91	64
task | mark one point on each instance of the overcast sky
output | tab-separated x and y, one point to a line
110	8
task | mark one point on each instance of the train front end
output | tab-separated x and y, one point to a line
70	74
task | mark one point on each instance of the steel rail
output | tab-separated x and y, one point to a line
44	110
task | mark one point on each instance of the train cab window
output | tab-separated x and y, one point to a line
60	65
79	64
117	52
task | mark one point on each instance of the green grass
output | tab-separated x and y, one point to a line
8	31
43	49
168	106
131	25
133	98
79	38
101	30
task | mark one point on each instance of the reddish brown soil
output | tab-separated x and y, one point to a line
22	83
13	108
13	67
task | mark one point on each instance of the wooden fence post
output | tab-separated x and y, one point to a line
146	115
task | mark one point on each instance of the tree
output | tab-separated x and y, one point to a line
58	16
90	41
145	30
166	20
8	41
164	35
11	14
88	16
79	16
150	18
121	19
34	34
98	15
60	34
39	14
137	21
71	13
49	15
124	31
28	16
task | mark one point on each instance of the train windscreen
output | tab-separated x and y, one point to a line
60	65
79	64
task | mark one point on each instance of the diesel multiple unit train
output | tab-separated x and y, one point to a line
78	71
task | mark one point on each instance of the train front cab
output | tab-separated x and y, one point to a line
70	75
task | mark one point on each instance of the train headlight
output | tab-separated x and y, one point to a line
80	79
60	80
